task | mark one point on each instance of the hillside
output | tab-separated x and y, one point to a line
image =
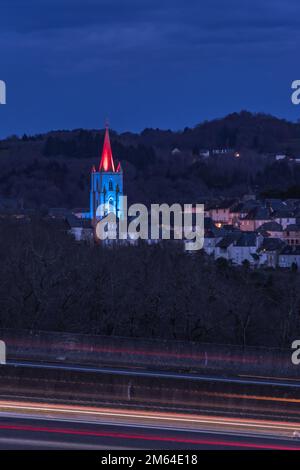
53	169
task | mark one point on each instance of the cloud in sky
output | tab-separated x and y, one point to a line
125	54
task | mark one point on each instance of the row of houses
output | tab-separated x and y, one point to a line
250	214
264	233
270	239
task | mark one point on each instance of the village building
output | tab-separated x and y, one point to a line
269	252
289	257
271	229
291	234
254	219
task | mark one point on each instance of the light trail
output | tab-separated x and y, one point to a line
258	425
152	438
252	397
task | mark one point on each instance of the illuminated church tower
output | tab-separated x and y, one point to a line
106	184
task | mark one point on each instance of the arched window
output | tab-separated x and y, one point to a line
110	185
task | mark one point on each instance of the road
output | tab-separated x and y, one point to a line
44	426
258	397
27	422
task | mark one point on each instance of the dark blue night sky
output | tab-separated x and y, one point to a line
145	63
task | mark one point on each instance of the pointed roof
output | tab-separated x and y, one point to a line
107	161
119	168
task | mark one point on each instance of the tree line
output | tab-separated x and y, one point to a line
50	282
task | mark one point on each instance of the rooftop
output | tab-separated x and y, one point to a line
271	227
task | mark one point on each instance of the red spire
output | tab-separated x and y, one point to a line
119	168
107	161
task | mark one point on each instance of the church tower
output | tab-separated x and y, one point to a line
106	184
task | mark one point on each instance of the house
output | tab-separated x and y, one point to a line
255	218
240	210
81	229
222	248
213	235
238	247
245	248
220	212
276	205
236	213
271	229
210	241
289	257
292	234
269	252
284	217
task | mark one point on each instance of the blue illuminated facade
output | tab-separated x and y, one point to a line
106	185
106	189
